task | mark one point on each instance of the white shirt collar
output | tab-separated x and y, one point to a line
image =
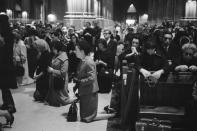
108	41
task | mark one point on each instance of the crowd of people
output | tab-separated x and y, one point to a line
54	55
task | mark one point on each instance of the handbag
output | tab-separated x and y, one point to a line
72	113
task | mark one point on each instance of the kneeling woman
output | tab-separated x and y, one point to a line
58	79
88	85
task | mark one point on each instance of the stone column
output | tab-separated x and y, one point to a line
79	11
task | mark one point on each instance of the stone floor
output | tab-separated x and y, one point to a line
33	116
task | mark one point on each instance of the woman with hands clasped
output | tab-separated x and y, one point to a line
88	85
152	62
58	79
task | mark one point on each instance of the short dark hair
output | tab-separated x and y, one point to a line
103	42
77	39
32	32
151	43
167	32
85	46
57	45
48	25
136	36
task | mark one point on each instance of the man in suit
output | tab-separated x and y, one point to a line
171	50
111	44
88	34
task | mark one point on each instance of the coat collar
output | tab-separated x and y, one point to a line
63	56
86	58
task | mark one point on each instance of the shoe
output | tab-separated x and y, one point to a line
11	109
9	119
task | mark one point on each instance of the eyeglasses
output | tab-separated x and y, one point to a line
167	38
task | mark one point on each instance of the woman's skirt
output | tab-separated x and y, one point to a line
88	107
57	94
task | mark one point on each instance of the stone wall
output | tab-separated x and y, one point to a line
58	8
159	10
79	17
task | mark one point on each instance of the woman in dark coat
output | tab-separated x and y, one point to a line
42	75
73	60
104	62
150	60
7	72
131	52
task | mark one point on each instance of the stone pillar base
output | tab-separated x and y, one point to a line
78	19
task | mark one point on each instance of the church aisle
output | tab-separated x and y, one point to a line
34	116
